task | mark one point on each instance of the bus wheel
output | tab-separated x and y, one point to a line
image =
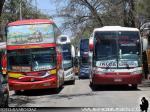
134	86
17	92
72	82
93	86
6	102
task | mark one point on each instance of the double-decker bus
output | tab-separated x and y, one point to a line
84	59
116	56
68	53
34	60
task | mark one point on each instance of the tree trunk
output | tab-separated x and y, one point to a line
94	12
129	16
1	6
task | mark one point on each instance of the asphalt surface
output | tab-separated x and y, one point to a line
82	95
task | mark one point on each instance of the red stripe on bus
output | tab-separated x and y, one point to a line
13	47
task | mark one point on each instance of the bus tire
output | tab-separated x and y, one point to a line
93	86
134	86
17	92
6	102
72	82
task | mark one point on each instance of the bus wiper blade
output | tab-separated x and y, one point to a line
105	57
108	67
127	66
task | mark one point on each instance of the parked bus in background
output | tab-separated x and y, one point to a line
145	33
76	61
116	56
34	60
84	59
4	91
68	53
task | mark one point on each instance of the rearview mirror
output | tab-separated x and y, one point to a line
144	44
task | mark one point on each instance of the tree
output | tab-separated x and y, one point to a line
81	15
143	9
11	10
129	13
1	6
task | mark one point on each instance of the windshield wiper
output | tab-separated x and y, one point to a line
127	66
105	57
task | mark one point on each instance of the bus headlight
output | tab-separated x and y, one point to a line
52	72
136	72
99	72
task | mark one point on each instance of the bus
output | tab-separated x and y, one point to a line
145	33
116	56
4	90
34	60
84	59
68	54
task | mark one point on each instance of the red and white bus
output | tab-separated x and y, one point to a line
116	56
34	60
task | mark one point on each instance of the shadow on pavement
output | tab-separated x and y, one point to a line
40	92
83	78
113	88
69	83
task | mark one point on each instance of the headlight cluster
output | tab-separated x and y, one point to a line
136	72
99	72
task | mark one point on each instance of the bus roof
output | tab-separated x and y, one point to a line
63	39
2	45
115	28
31	21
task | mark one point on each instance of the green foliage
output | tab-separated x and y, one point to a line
11	10
143	8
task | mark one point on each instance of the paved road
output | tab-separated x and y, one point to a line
81	95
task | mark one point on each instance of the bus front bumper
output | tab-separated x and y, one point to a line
69	77
18	85
116	79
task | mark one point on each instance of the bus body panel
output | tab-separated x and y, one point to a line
115	65
109	79
69	75
18	85
68	54
84	59
27	40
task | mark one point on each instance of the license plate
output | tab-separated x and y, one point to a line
118	80
46	84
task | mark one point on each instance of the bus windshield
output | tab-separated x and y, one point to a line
84	61
67	59
30	34
27	60
84	46
117	49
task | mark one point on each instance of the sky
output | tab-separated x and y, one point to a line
48	7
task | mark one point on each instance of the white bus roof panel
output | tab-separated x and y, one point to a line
115	28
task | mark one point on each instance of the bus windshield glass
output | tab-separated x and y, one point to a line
27	60
67	59
30	34
117	49
84	46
